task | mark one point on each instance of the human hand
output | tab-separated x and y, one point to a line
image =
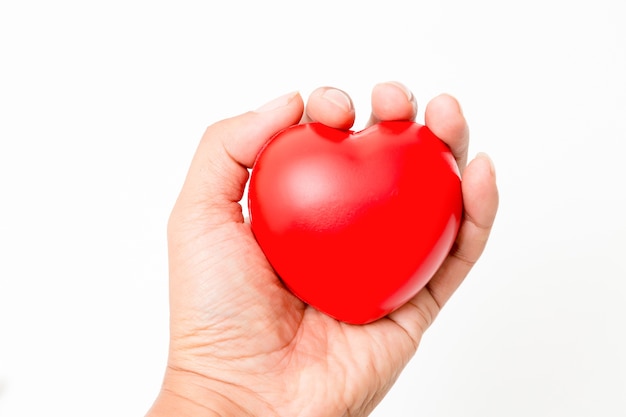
240	343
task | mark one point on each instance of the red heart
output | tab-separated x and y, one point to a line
355	224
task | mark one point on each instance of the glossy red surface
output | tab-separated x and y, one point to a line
355	224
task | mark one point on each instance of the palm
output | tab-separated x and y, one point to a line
291	349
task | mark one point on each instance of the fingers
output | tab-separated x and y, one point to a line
445	119
218	173
392	101
480	199
334	108
331	107
480	204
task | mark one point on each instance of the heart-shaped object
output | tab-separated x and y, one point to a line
355	224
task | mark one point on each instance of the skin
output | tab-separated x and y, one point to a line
240	343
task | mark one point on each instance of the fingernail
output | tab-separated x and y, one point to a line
338	98
404	88
277	102
492	167
458	105
408	93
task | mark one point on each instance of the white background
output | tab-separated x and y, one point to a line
102	105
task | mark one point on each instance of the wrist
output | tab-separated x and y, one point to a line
185	394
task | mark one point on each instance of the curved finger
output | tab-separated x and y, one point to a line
392	101
218	172
445	119
330	106
480	199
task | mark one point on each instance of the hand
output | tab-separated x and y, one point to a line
240	343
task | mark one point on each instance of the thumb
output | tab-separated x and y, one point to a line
218	173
